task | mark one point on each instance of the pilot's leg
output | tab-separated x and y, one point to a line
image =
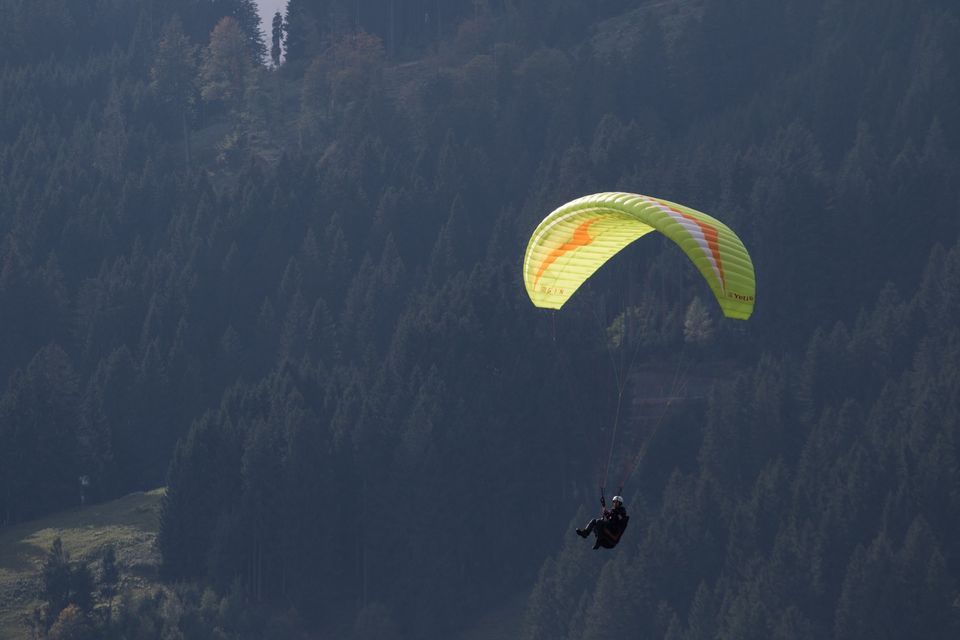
583	533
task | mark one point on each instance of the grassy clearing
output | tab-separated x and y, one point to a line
129	524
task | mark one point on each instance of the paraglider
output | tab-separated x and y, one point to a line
609	527
577	238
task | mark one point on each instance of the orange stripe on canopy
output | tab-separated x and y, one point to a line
581	238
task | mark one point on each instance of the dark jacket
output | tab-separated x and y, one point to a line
614	524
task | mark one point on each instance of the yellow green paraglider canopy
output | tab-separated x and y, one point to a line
571	243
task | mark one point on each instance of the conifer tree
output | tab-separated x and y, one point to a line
39	415
81	587
226	68
248	18
109	577
174	74
56	580
276	49
303	31
697	325
202	482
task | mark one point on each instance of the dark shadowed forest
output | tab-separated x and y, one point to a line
279	273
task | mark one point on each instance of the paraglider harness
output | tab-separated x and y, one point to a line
610	528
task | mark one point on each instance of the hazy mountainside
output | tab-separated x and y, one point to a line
295	293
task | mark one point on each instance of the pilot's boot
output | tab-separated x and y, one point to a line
583	533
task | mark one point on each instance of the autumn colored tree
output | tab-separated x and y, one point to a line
226	69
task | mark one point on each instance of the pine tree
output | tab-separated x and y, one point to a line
56	580
697	325
202	483
276	49
868	602
109	578
303	31
174	74
38	414
81	587
248	18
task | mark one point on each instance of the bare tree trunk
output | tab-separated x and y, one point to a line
186	135
362	551
393	29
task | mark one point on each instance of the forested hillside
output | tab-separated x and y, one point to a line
290	290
